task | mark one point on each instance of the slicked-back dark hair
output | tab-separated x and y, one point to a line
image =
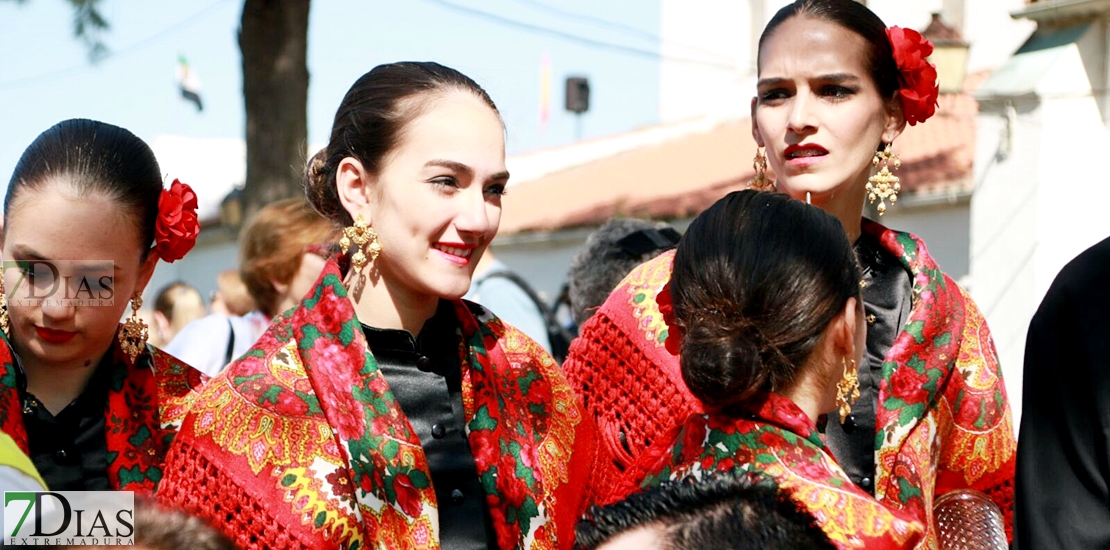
757	278
371	121
721	510
609	254
857	18
93	158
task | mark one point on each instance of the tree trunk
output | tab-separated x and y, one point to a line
273	38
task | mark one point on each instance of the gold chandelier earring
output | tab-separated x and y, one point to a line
365	240
760	182
884	184
847	389
4	319
133	332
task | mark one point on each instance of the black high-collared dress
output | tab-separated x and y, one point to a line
424	375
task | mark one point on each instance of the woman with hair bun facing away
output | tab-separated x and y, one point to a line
770	327
87	219
836	88
382	411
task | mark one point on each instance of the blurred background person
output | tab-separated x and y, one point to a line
507	294
176	305
1063	467
158	527
231	296
714	511
282	250
281	253
610	253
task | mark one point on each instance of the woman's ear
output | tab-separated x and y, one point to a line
354	185
280	287
756	134
146	271
894	118
846	329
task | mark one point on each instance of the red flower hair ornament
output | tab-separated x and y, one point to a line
177	227
919	89
673	342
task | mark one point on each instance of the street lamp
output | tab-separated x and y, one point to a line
950	54
231	209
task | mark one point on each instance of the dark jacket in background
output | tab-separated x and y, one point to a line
1063	464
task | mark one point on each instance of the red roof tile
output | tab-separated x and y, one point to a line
683	176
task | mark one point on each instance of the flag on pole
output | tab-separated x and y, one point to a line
545	90
188	82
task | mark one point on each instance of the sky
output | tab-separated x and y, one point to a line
46	77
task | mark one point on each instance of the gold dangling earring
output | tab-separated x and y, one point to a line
4	320
364	237
760	182
133	332
847	389
884	184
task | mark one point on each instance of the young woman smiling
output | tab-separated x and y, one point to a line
836	88
86	221
383	411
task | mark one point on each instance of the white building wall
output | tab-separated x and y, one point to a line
722	34
1003	233
1042	201
944	227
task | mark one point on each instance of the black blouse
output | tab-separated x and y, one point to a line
424	375
70	449
887	299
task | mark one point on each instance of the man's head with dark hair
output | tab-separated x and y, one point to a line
714	512
609	255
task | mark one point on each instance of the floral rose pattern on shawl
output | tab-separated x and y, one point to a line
943	419
779	443
941	395
306	433
147	400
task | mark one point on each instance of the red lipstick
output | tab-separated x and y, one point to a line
804	154
54	336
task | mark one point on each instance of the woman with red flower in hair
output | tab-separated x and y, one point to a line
382	410
87	219
836	88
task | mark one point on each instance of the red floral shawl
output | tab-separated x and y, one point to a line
301	443
780	443
943	420
147	400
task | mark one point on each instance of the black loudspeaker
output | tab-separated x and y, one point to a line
578	94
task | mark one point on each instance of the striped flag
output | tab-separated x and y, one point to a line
188	82
545	90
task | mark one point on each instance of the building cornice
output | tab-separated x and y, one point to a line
1055	10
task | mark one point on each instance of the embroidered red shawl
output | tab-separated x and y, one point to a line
301	443
147	400
943	420
780	443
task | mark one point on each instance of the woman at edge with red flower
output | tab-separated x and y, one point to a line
836	88
383	411
86	221
770	328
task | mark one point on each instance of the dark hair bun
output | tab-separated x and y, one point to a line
723	364
322	195
756	280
